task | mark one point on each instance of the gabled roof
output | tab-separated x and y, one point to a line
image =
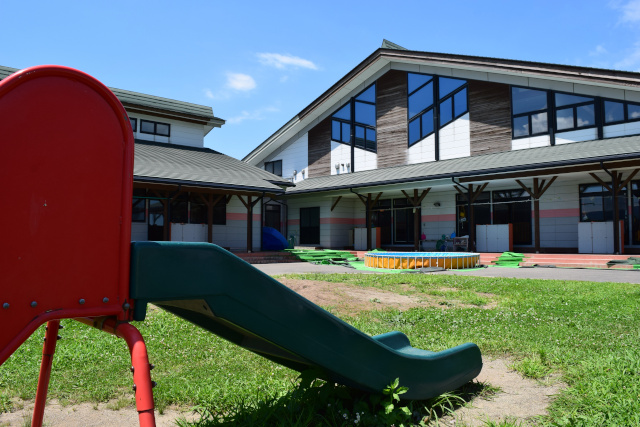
202	167
585	80
155	105
558	156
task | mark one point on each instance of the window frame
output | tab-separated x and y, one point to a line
436	105
353	124
574	107
155	128
273	163
530	114
134	124
625	109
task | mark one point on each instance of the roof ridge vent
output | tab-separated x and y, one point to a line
386	44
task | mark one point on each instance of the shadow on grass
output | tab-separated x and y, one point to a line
319	403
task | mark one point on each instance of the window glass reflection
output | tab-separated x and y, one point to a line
585	115
613	112
414	81
445	112
460	102
447	85
421	100
368	95
563	99
521	126
633	112
539	123
564	119
365	113
526	100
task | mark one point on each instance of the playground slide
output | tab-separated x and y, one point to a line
218	291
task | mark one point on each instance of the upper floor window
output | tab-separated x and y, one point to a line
574	112
134	124
357	116
451	102
155	128
529	108
274	167
618	112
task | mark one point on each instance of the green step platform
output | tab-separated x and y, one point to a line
218	291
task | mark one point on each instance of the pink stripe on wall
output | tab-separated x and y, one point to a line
559	213
438	218
294	222
343	221
241	217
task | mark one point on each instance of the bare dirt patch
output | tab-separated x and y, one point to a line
89	415
347	299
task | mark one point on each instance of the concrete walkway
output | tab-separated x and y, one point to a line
592	275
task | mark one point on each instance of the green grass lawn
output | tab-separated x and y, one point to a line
588	333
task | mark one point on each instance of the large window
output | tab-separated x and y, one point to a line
574	112
514	207
530	112
357	116
596	205
451	100
395	220
274	167
191	209
497	207
619	112
481	212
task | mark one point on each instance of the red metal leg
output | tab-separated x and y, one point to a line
141	373
143	385
48	349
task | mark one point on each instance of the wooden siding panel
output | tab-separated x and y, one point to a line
320	149
490	115
392	119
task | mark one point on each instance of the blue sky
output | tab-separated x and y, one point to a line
259	63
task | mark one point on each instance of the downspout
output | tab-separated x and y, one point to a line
261	218
366	216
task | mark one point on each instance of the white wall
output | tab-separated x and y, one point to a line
422	151
621	129
455	139
364	160
531	142
340	154
295	157
183	133
576	136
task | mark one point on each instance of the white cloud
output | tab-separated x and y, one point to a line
241	82
283	61
599	50
630	11
632	60
259	114
209	94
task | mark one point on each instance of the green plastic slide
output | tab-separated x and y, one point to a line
218	291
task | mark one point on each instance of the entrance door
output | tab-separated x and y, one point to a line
155	229
272	216
310	226
403	225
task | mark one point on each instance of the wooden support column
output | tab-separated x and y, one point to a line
416	202
471	195
368	204
210	201
539	188
617	185
249	205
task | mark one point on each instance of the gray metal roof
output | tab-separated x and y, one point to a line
576	153
150	101
176	164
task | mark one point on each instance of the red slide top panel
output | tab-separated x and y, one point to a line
66	153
